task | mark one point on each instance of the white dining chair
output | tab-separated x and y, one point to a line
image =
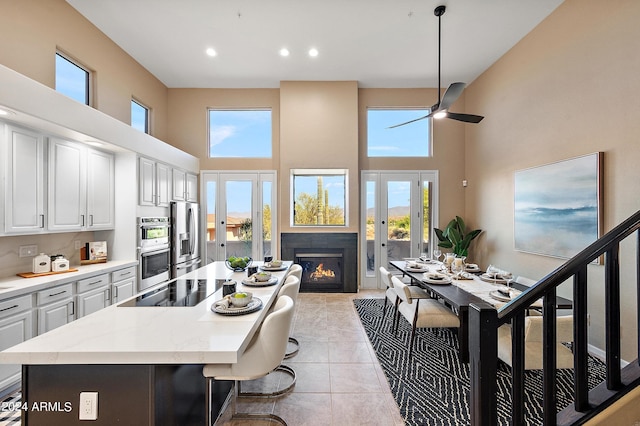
421	313
533	342
291	287
392	296
264	353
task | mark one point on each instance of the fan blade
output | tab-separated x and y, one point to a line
408	122
452	93
467	118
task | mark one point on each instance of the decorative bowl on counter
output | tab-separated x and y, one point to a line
238	264
241	299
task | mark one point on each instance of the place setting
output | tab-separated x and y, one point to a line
496	275
272	265
237	303
259	279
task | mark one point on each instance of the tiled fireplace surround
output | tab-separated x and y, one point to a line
315	242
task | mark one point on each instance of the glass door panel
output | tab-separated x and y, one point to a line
398	213
238	222
210	221
267	249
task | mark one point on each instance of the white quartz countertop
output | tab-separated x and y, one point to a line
17	286
152	335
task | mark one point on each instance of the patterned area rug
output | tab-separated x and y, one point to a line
10	411
432	387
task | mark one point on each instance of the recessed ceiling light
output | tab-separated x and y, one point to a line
284	52
313	52
95	143
211	52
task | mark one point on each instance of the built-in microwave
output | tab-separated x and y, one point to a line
154	251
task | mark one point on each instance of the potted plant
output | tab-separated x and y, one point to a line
454	237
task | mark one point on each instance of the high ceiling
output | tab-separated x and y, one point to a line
379	43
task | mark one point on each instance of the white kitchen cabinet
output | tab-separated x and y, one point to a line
55	307
123	284
67	186
100	190
16	326
81	187
93	294
153	183
185	186
25	181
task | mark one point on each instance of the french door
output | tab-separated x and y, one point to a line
399	211
240	214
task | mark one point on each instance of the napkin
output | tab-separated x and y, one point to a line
223	303
496	272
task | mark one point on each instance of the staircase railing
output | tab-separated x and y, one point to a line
485	320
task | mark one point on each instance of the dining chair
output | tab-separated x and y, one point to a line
291	288
262	356
392	296
421	313
533	342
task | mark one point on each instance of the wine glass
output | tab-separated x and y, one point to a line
437	253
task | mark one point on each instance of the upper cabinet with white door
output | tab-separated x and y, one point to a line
185	186
25	181
81	187
154	183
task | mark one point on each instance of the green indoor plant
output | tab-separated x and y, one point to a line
454	237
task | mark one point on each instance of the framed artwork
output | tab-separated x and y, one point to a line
557	207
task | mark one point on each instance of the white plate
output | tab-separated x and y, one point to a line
417	269
474	268
431	278
490	279
254	305
273	268
254	283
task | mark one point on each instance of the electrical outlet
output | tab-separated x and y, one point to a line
88	406
28	251
588	320
78	244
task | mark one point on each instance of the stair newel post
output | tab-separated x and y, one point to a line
483	351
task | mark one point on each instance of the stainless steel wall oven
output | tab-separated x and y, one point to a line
154	251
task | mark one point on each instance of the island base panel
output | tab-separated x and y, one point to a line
127	394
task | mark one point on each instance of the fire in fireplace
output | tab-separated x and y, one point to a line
321	271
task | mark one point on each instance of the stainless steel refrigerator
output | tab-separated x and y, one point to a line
185	238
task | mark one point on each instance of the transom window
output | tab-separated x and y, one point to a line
411	140
72	79
139	116
244	133
318	197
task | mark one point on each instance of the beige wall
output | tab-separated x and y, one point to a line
319	130
188	123
569	88
31	32
448	146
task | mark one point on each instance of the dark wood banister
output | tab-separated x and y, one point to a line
485	320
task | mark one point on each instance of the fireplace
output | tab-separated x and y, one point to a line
321	269
337	252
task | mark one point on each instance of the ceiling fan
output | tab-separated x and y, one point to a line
441	109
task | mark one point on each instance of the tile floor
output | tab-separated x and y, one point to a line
340	381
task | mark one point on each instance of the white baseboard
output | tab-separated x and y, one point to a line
601	354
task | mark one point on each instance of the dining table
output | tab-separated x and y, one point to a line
459	291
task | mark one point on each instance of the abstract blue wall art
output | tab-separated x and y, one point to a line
557	206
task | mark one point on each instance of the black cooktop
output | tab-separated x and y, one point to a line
180	292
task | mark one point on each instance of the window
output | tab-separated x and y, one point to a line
139	116
242	133
72	79
412	140
319	197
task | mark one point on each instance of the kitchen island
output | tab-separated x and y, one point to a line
145	362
